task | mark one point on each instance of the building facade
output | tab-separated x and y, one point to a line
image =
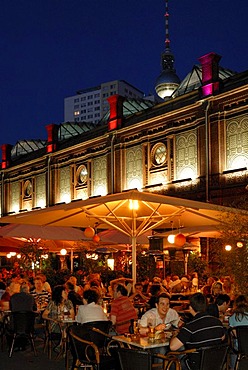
90	105
193	145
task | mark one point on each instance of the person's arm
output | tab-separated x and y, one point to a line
175	344
72	313
45	314
113	319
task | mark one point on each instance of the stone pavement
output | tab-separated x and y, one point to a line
25	360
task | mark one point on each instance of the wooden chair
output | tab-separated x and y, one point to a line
23	327
131	359
204	358
238	340
85	352
98	332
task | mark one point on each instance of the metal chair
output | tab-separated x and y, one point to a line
204	358
23	327
52	339
89	348
143	359
238	337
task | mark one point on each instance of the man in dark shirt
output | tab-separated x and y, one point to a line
204	330
22	301
74	297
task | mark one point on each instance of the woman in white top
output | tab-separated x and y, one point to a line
90	310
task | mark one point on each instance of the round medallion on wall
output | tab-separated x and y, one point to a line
28	189
159	154
82	175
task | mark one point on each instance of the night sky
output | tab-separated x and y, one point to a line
52	48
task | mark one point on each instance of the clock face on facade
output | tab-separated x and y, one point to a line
159	154
82	174
28	188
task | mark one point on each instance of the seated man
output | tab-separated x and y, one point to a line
162	316
138	296
90	309
122	310
41	296
74	297
203	330
22	301
219	306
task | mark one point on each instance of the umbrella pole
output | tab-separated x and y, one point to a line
71	260
134	259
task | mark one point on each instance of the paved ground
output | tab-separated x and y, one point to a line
27	361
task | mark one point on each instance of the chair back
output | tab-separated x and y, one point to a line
242	338
239	346
131	359
81	348
97	331
85	351
23	322
213	357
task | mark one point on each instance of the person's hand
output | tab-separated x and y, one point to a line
160	327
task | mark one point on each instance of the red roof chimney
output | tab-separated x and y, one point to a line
116	111
52	137
6	155
210	73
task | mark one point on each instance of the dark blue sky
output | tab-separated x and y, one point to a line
51	48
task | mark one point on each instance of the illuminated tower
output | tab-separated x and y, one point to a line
167	81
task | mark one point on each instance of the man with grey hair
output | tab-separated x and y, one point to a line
23	301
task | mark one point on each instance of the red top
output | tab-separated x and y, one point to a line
124	311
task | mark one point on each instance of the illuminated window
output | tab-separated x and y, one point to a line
76	113
82	175
159	154
28	189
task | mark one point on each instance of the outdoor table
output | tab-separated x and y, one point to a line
141	341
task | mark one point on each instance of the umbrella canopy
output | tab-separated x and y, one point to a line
9	245
119	237
131	212
41	232
204	231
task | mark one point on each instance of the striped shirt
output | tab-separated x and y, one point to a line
203	331
124	311
42	298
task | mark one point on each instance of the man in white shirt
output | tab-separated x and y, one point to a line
162	317
90	310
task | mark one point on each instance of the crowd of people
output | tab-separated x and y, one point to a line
85	301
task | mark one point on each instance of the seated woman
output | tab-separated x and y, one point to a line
58	306
90	310
238	318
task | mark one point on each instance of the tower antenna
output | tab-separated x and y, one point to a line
167	81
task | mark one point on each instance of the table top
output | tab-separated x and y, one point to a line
141	342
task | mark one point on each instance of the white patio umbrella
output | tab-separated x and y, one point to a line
132	212
42	232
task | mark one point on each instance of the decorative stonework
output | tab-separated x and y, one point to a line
99	176
186	155
40	192
81	193
64	183
14	196
134	171
237	142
